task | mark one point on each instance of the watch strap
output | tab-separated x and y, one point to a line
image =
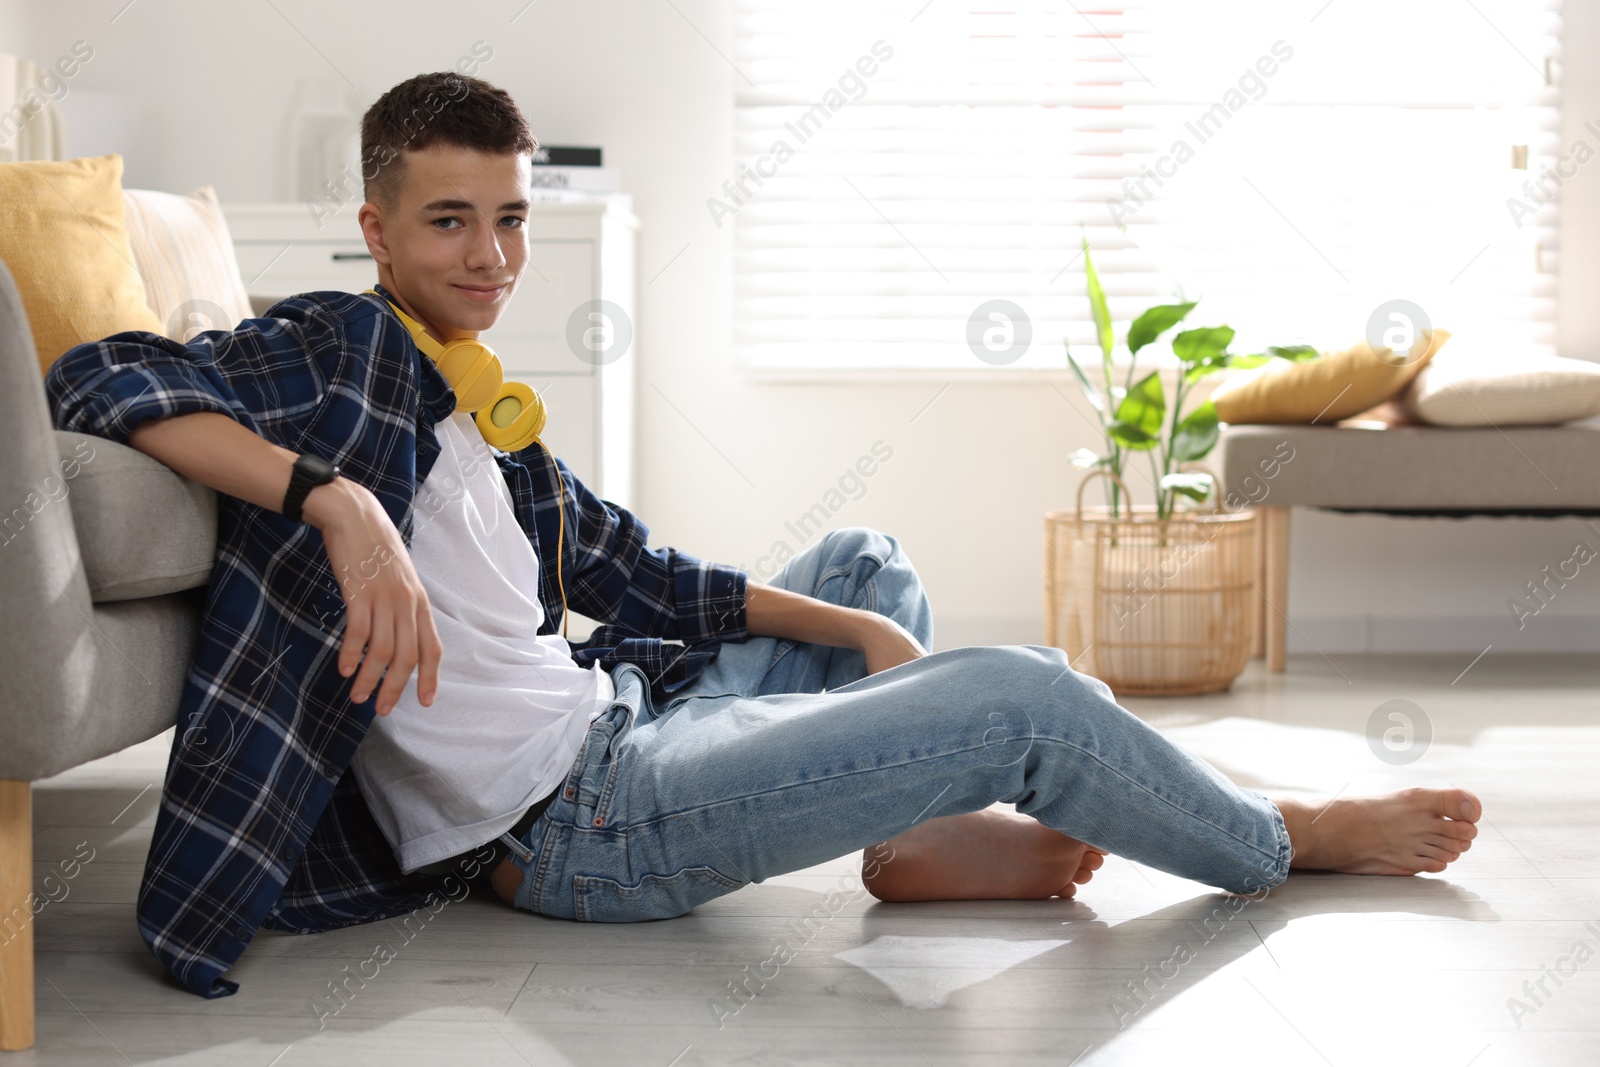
309	472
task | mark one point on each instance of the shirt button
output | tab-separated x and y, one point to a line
568	793
598	821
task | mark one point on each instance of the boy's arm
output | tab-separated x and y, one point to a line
172	400
669	593
216	451
884	643
783	613
392	610
233	432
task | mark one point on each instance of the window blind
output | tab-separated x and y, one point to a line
1295	166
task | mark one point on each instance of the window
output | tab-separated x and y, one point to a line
1295	166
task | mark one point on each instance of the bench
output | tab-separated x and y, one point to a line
1417	471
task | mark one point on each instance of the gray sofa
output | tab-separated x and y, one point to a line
105	557
1424	471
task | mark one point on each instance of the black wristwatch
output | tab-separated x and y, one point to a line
309	472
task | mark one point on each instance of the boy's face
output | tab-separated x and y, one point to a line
456	243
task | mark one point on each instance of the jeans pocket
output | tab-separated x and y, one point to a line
605	900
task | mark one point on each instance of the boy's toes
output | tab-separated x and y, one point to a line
1444	851
1458	804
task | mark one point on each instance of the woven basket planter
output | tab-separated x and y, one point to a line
1151	607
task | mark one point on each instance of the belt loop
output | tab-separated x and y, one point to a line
522	851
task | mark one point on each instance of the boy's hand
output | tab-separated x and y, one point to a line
885	643
389	617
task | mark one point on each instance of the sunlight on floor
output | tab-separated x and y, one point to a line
924	971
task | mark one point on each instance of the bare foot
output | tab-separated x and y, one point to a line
993	854
1399	833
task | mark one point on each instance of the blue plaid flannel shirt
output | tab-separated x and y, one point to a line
261	824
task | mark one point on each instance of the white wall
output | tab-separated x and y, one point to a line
725	462
13	27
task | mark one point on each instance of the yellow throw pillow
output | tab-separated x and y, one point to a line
185	257
1325	390
64	238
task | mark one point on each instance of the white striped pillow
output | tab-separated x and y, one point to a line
185	257
1471	389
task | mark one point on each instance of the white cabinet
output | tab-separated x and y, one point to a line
580	251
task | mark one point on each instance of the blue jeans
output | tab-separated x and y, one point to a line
784	755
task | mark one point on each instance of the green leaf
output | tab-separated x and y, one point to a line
1196	435
1194	484
1097	305
1294	353
1088	460
1226	361
1089	391
1145	406
1203	343
1132	437
1155	322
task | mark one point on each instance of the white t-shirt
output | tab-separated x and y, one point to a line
511	708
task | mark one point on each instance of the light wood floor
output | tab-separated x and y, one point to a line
1327	969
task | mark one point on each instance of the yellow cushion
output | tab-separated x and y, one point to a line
64	239
185	258
1324	390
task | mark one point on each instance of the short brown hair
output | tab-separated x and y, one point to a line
442	107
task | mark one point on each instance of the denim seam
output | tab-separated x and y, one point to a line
1285	845
912	763
1162	799
535	879
583	883
842	570
602	804
581	764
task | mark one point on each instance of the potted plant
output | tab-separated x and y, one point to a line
1153	599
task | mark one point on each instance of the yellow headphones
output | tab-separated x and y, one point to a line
510	415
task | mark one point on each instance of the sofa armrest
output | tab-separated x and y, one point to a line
42	579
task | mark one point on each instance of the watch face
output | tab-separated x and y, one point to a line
319	469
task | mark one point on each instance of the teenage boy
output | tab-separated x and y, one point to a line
367	533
